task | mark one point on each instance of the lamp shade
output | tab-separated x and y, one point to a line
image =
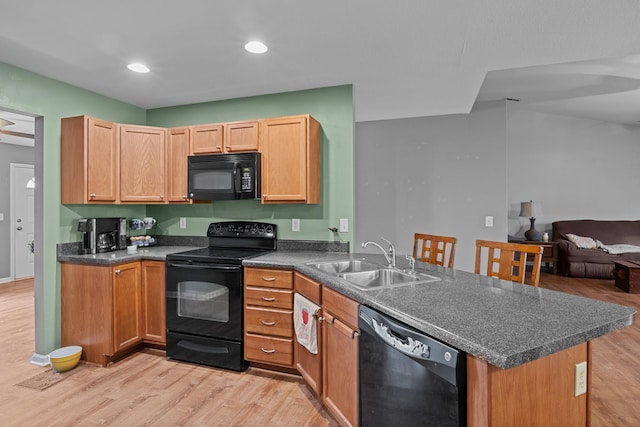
531	209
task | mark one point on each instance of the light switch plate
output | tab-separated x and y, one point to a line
488	221
1	216
344	225
295	224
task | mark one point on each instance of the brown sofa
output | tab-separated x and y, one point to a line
594	263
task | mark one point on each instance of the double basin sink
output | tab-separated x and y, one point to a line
369	276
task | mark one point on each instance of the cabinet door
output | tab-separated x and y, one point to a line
102	161
340	370
153	302
142	164
309	365
127	306
207	139
177	152
290	160
241	136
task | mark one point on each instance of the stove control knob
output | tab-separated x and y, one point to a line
254	229
217	228
269	229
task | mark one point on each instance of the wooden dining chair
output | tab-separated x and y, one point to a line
438	250
508	261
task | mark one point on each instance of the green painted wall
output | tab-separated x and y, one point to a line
332	107
27	92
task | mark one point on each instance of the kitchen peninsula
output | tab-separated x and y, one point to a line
522	343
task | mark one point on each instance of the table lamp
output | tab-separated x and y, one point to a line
531	210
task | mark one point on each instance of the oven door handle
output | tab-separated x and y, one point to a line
205	266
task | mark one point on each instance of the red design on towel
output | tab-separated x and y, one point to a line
305	316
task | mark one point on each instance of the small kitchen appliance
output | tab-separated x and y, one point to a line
204	302
103	234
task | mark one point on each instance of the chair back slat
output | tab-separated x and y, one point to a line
508	261
438	250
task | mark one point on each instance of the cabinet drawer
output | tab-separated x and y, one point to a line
269	321
275	351
273	298
268	277
310	289
343	308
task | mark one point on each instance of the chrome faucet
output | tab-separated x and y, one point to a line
390	256
412	264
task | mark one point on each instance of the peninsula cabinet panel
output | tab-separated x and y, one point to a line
291	160
154	323
127	306
178	149
142	164
340	357
207	139
241	136
538	393
88	161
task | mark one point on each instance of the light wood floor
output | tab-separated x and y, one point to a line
148	389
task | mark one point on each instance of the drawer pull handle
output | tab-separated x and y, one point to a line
268	279
267	351
268	299
268	323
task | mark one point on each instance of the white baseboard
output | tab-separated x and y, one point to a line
5	279
40	359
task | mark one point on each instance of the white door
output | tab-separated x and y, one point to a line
22	219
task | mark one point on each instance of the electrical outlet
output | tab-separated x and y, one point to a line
1	216
581	378
488	221
344	225
295	224
183	222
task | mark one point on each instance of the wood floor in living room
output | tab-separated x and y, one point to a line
148	389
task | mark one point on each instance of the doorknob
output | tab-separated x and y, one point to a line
19	229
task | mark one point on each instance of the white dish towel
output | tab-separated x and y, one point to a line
304	323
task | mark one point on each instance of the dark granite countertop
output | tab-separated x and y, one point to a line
505	323
158	253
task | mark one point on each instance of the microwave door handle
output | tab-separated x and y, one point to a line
235	179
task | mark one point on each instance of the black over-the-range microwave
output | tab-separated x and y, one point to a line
224	176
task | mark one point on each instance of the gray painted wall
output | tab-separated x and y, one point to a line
9	153
442	175
437	175
577	168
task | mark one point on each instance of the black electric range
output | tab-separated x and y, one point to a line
205	294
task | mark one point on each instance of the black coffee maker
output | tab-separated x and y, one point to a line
103	234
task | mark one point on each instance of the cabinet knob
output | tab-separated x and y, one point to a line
92	195
118	271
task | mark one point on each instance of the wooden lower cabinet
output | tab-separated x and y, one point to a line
340	356
154	325
111	310
101	309
268	316
309	365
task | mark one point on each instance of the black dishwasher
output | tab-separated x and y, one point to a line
406	377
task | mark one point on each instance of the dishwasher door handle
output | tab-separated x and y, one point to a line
406	345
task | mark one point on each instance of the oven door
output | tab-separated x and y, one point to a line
204	299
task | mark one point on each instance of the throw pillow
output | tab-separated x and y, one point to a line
582	242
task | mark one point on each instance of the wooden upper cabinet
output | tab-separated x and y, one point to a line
142	164
291	160
178	150
242	136
207	139
88	161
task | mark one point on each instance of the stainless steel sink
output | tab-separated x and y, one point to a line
385	278
337	267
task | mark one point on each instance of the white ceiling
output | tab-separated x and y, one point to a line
405	59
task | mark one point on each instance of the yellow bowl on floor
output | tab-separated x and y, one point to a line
65	358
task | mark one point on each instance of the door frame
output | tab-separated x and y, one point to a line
12	214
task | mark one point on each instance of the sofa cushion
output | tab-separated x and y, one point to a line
582	242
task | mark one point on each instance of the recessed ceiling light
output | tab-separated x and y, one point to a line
256	47
138	68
